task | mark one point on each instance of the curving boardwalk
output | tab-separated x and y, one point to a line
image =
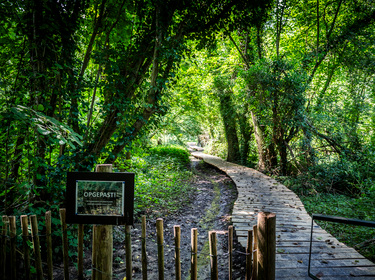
257	192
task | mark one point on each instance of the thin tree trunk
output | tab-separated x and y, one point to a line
246	131
230	127
279	25
259	138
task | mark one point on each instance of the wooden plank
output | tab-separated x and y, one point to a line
339	272
317	256
323	263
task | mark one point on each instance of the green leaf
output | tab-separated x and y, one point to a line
43	131
40	107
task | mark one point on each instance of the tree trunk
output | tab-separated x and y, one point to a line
283	156
259	138
246	131
228	115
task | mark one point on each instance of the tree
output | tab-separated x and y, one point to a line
100	68
222	89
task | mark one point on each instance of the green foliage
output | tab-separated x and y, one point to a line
180	154
345	188
119	72
96	69
343	175
343	206
44	125
162	180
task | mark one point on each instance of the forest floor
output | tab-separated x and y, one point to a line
210	210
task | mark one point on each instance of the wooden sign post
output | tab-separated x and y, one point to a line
103	199
102	243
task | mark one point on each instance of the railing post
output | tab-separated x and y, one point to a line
266	245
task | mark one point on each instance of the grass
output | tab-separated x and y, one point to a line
162	180
362	207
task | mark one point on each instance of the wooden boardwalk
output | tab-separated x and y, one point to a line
257	192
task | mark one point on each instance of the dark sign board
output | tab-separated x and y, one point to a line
100	198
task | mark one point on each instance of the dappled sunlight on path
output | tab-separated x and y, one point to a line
257	192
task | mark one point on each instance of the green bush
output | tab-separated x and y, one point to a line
176	152
337	175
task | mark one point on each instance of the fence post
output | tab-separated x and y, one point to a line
80	251
65	243
177	241
102	248
38	258
49	244
144	253
13	236
213	255
3	256
26	249
230	250
194	253
160	240
128	248
255	253
249	253
266	245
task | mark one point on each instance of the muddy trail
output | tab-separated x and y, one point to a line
210	210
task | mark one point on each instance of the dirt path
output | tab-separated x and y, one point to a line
211	210
257	192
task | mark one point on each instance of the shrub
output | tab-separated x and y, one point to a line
179	153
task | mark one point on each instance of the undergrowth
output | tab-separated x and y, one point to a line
359	237
162	180
344	189
162	185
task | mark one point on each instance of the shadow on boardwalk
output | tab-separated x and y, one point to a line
257	192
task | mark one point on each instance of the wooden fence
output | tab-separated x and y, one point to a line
260	250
